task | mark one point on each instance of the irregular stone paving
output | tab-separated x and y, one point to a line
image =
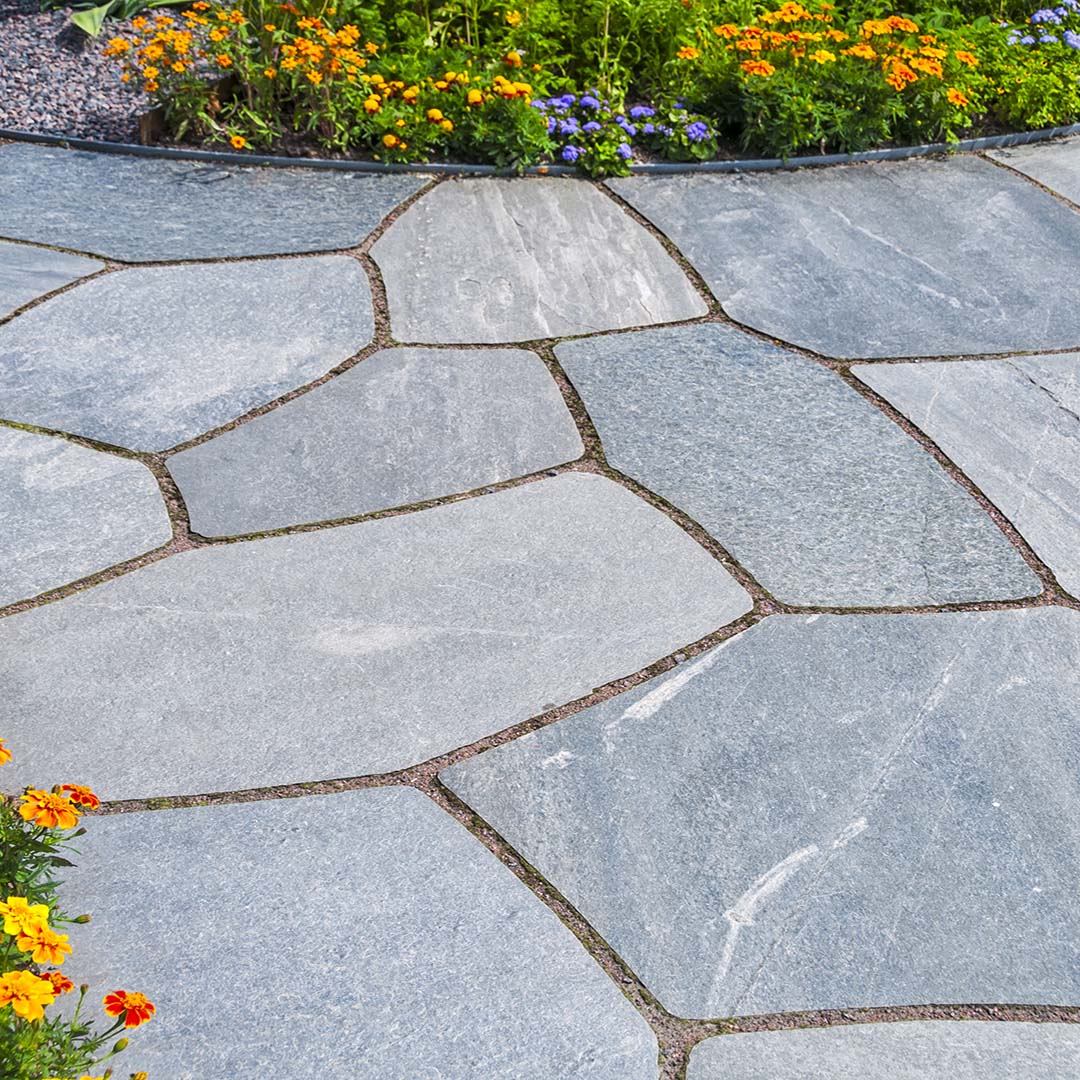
816	492
29	272
1055	165
909	258
825	812
938	1050
514	260
353	650
153	210
1014	427
147	358
66	512
401	948
403	426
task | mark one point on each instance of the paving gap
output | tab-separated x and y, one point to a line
107	268
1029	179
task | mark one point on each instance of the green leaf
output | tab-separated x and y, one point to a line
91	20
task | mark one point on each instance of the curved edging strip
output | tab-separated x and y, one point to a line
219	157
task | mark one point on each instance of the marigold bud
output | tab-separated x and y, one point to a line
120	1045
81	919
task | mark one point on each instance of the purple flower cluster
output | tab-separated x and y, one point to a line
590	126
1046	19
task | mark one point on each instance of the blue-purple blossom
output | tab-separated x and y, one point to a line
552	125
1045	15
589	102
592	126
639	112
629	128
1027	40
624	151
1072	39
571	153
649	129
569	126
698	131
568	100
540	106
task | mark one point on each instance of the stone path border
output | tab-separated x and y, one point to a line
677	1035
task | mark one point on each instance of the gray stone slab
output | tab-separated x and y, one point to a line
331	937
403	426
147	358
820	495
66	512
915	1050
514	260
830	811
910	258
353	650
154	210
1014	427
1054	164
29	272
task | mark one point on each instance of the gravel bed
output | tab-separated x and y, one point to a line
53	78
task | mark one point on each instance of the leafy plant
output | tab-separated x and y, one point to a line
36	830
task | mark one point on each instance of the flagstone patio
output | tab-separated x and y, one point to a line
536	628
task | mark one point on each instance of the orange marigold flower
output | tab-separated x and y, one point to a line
20	915
371	48
967	58
5	753
238	142
758	67
688	52
61	983
822	56
47	809
150	86
270	73
45	946
955	97
134	1008
390	141
223	60
836	35
862	51
752	45
314	77
513	58
728	30
928	67
26	993
77	793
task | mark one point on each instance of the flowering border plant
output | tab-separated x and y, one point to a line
36	830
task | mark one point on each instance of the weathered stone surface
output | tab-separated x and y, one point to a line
911	258
1014	427
1054	164
66	512
915	1050
827	812
426	957
815	491
353	650
152	210
403	426
29	272
147	358
513	260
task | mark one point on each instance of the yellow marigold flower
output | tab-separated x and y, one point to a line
150	72
758	67
270	73
434	115
822	56
955	97
928	67
934	54
389	141
513	58
728	30
967	58
20	916
371	48
399	123
688	52
117	46
442	84
26	993
126	77
238	142
372	105
177	66
513	18
447	125
411	93
836	35
314	77
269	27
906	25
44	945
237	17
537	67
474	97
140	1076
223	60
5	753
48	810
